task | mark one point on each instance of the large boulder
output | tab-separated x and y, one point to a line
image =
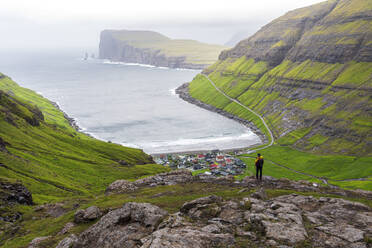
67	242
87	215
123	227
120	186
36	242
167	178
187	237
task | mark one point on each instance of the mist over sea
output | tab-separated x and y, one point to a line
134	105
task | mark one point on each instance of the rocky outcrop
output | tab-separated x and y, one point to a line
285	221
36	242
87	215
167	178
68	242
14	193
249	182
123	227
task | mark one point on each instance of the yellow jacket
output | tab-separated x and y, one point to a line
258	159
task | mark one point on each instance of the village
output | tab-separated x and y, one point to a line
213	163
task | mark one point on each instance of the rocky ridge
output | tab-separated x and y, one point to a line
285	221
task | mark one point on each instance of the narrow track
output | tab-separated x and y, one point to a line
247	108
323	179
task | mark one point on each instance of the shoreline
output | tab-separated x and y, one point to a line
226	150
183	92
71	121
186	66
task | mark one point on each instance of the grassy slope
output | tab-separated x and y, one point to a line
195	52
334	167
53	160
252	83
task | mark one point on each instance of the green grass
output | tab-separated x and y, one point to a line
333	167
52	159
270	169
201	171
51	114
355	74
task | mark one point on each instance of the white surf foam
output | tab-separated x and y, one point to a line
201	141
173	91
105	61
130	145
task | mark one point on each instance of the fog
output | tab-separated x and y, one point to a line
41	24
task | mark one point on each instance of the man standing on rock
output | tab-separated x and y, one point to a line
259	165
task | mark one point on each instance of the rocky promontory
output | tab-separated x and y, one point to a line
289	220
152	48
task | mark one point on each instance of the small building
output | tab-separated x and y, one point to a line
220	158
213	166
201	156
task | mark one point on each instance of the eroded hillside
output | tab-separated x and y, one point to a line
309	73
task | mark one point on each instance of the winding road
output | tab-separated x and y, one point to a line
250	110
323	179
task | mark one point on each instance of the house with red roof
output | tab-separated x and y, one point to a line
201	156
220	158
213	166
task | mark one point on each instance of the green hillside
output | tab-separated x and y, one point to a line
309	74
50	158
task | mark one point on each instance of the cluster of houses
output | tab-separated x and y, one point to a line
214	162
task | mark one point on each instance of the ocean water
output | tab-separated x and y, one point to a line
131	104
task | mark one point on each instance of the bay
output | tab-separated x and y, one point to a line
134	105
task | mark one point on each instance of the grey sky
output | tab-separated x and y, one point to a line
34	24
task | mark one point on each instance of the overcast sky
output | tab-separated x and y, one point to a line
33	24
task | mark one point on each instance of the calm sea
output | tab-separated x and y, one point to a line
134	105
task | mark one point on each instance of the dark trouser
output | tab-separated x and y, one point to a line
259	169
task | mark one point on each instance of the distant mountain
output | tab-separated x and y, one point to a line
147	47
308	73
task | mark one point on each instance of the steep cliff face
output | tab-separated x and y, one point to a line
309	73
152	48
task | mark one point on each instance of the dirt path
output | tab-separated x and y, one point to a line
247	108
